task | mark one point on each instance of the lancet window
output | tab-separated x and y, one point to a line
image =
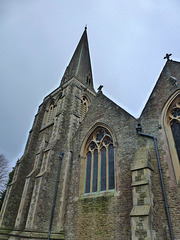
99	162
50	115
172	130
59	103
84	107
44	162
174	119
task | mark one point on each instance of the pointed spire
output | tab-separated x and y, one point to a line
80	64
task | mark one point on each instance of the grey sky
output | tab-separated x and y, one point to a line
128	40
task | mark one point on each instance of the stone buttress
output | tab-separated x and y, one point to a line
141	214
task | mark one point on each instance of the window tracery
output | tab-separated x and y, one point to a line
99	162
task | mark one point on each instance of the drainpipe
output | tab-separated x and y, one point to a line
139	129
55	194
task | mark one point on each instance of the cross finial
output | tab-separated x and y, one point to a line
100	88
86	27
167	56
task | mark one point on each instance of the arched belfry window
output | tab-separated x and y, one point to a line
84	107
50	115
174	118
99	162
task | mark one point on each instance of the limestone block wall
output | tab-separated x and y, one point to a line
152	123
55	124
23	168
64	125
102	215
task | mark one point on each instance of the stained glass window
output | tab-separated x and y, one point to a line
99	162
176	134
175	126
95	171
172	130
111	166
103	169
88	173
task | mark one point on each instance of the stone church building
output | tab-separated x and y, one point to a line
90	170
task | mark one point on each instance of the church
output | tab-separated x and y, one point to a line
90	170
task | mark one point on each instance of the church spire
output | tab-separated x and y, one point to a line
80	64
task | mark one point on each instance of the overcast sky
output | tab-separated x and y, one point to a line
128	40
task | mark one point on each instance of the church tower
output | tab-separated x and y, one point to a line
40	210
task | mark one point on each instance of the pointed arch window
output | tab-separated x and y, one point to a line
174	117
50	115
99	162
88	79
84	107
172	129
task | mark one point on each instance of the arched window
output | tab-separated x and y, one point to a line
50	115
99	162
174	118
84	107
172	130
88	79
59	103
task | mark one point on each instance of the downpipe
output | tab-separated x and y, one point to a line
139	129
55	194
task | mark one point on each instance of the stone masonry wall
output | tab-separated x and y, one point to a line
103	215
25	164
152	124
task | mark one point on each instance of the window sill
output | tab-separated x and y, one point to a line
107	193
